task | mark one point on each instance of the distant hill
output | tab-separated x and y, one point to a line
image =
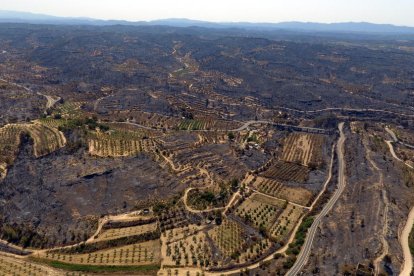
350	27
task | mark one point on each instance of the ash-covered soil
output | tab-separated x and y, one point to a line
57	199
352	232
18	105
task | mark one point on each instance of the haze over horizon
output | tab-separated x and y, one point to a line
397	12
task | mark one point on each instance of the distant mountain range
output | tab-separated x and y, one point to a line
350	27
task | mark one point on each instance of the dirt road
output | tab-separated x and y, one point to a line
405	233
408	259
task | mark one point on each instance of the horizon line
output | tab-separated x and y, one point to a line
200	20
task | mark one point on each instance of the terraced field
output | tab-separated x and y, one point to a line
114	233
154	120
229	237
286	222
51	122
9	145
206	124
13	266
260	211
305	149
144	253
218	159
255	251
192	125
190	251
278	189
46	139
70	109
176	217
287	172
119	143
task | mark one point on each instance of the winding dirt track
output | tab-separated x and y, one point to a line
405	233
408	259
50	100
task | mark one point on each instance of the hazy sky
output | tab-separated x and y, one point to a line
400	12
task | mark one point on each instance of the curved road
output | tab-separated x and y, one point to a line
405	233
307	246
50	100
408	259
396	140
394	155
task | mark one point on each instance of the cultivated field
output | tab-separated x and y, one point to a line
260	211
229	237
115	233
9	145
190	250
176	217
135	254
46	139
51	122
119	143
13	266
277	189
286	222
287	172
191	125
206	124
70	109
255	251
305	149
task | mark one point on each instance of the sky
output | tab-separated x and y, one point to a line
397	12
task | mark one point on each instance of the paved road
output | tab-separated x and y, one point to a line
307	246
